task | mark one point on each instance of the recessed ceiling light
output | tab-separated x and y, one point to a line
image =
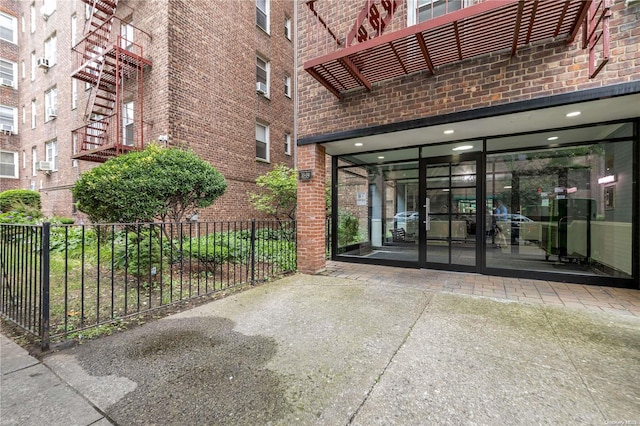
358	144
552	138
448	132
381	156
507	187
463	147
574	114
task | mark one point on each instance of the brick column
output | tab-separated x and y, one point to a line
311	210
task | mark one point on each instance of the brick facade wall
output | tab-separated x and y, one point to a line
538	71
9	95
200	91
547	68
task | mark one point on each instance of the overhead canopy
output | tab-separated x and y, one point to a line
490	26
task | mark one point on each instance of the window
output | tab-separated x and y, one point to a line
34	113
74	30
32	18
8	122
24	115
48	8
8	164
262	142
287	27
127	124
24	70
74	93
262	76
88	10
287	143
34	64
74	142
126	32
287	86
8	73
423	10
34	161
8	28
50	50
262	14
23	23
50	104
51	154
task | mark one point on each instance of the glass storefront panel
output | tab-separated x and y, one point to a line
378	211
562	209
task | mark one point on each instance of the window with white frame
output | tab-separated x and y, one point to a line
8	28
287	143
262	142
34	114
23	23
262	76
127	124
50	104
8	164
50	50
8	119
34	161
262	14
74	30
48	7
74	142
8	73
51	154
287	86
126	32
74	93
287	27
32	18
423	10
34	64
88	10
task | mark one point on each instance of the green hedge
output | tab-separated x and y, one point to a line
15	198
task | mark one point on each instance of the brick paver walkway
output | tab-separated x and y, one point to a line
604	299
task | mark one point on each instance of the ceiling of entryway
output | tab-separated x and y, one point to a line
603	110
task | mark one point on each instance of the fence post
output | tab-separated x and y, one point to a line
253	251
45	280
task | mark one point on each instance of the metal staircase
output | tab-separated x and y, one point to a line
111	63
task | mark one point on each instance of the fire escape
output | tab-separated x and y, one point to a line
110	60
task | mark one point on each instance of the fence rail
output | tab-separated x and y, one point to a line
63	279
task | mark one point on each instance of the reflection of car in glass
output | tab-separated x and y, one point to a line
406	216
407	221
511	225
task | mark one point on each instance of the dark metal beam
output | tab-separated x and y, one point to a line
425	53
516	31
324	82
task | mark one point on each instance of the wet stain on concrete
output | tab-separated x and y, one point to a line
190	371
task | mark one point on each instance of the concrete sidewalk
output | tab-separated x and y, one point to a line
334	351
31	394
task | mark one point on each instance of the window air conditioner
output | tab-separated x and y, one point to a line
7	129
43	63
6	82
51	113
44	166
261	88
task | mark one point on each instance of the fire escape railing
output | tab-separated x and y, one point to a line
110	59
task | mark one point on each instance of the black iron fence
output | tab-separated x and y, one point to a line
58	280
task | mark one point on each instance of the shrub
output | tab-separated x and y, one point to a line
156	183
139	252
16	198
347	228
16	217
277	193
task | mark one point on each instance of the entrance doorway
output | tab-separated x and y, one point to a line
452	232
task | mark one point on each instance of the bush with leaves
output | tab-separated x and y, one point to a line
155	183
277	194
348	227
14	199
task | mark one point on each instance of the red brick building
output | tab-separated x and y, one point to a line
498	137
97	79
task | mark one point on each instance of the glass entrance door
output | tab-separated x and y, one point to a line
452	233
